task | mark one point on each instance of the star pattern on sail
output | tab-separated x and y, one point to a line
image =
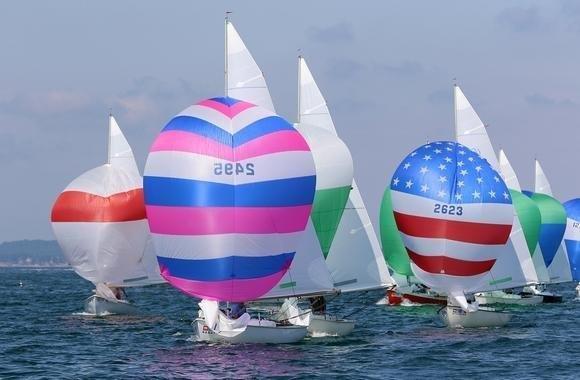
450	173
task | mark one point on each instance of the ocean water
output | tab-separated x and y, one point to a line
42	335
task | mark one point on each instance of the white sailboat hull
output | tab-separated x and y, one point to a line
99	306
456	317
489	298
323	325
252	334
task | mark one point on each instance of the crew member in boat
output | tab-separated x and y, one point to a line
119	293
318	305
237	309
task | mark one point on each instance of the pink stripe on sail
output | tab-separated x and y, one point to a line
182	141
231	111
239	290
281	141
167	220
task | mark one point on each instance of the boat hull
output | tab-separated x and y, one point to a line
508	299
252	334
456	317
99	306
322	325
395	298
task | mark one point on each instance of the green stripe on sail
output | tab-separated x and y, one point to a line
551	210
393	248
500	281
530	218
287	285
327	210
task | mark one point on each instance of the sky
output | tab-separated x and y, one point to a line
386	68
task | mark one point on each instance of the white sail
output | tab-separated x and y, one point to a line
541	183
559	270
355	259
312	108
515	267
99	220
508	173
539	272
244	79
120	153
470	130
308	274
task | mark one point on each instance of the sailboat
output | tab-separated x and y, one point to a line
347	238
455	215
572	239
340	231
228	190
100	224
550	240
519	265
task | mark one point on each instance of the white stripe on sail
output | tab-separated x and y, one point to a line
211	246
104	181
199	167
450	248
249	116
497	213
208	114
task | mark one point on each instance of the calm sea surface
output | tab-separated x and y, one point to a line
42	335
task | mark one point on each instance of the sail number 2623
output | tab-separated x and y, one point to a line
448	209
231	168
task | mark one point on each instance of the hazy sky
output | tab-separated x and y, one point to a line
385	67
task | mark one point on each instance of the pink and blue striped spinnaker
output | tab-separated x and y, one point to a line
228	189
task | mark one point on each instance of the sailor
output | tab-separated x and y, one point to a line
318	305
237	309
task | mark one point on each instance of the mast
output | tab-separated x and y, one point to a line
227	20
455	107
109	138
299	85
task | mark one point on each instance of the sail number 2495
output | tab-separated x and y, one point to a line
448	209
231	168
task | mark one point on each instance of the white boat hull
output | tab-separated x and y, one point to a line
322	325
252	334
508	299
99	306
456	317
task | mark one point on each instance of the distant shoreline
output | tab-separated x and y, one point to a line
33	266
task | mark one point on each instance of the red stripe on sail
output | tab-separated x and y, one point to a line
450	266
78	206
466	232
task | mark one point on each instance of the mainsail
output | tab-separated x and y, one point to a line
99	221
552	229
515	267
349	242
530	220
244	79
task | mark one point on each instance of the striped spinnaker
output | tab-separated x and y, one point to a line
454	213
229	188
